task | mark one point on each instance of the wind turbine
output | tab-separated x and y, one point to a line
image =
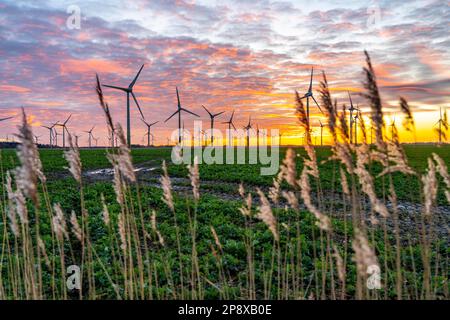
148	134
356	127
179	115
183	132
51	135
248	127
4	119
392	125
64	127
351	109
442	122
257	135
90	136
309	94
153	139
199	137
129	91
112	139
321	132
36	138
56	134
204	137
212	116
230	124
76	138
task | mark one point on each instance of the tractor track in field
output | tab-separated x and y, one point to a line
148	174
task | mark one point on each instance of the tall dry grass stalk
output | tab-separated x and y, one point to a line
194	176
30	170
372	95
323	222
265	214
408	121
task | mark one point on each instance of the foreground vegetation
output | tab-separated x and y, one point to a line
54	166
317	230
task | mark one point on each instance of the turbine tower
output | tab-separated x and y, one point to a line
442	125
77	136
321	132
351	109
230	124
153	139
51	134
4	119
212	116
36	138
64	128
248	127
392	125
309	94
148	134
129	91
179	115
90	136
55	133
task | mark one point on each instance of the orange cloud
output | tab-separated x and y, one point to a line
16	89
434	59
45	103
91	65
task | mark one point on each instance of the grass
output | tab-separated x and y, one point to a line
229	267
54	162
321	229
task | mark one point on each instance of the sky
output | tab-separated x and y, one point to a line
247	56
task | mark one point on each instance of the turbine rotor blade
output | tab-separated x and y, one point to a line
317	103
67	120
210	114
115	87
218	114
135	78
178	98
351	102
310	81
3	119
137	104
172	115
190	112
143	120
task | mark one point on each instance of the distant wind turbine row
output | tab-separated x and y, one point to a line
353	136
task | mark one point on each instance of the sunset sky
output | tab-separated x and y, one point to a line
248	56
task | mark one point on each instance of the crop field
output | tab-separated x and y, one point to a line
225	178
158	240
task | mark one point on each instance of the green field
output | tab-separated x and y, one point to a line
54	165
191	264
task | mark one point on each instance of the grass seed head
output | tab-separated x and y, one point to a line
167	188
265	214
